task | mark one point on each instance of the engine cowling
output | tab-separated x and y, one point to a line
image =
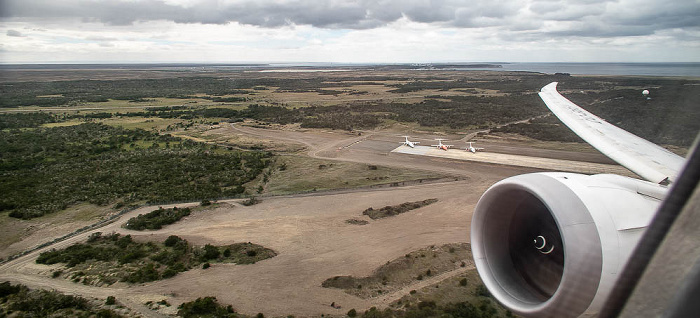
552	244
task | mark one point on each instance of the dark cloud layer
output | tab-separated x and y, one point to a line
588	17
14	33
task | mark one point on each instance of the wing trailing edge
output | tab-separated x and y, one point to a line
648	160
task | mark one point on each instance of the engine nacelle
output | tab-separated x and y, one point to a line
552	244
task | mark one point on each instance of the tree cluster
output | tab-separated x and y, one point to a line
546	129
149	261
47	169
20	301
429	308
25	120
205	307
155	220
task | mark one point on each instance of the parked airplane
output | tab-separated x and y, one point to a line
440	145
411	144
552	244
473	149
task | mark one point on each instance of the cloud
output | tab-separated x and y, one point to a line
14	33
100	38
617	17
386	30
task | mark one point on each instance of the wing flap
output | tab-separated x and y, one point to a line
642	157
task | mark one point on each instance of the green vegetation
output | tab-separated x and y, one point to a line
47	169
668	117
251	201
449	298
205	307
25	120
156	219
106	259
546	129
428	308
302	175
392	210
20	301
461	100
403	271
356	222
59	93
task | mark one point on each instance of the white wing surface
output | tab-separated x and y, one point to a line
642	157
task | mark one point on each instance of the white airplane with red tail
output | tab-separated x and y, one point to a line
440	145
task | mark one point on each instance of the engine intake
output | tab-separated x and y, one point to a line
551	244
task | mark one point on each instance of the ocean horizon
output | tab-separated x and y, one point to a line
640	69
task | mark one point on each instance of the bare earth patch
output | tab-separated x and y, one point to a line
405	271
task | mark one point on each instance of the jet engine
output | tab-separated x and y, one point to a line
552	244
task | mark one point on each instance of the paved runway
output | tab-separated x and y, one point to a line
516	160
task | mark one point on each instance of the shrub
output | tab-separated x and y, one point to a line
7	289
251	201
463	282
203	307
481	290
147	273
392	210
206	265
352	313
110	301
426	304
169	272
156	219
210	252
172	240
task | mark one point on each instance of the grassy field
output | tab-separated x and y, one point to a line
304	174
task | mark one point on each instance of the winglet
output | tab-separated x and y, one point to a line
642	157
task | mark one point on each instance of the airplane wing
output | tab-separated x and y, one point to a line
642	157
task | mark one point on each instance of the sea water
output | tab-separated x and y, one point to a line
646	69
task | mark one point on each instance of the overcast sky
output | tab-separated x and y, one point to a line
381	31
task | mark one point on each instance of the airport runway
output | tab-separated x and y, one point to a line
515	160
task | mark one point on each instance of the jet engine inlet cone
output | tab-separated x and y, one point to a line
532	245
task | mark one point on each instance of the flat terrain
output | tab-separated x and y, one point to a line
330	176
309	231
